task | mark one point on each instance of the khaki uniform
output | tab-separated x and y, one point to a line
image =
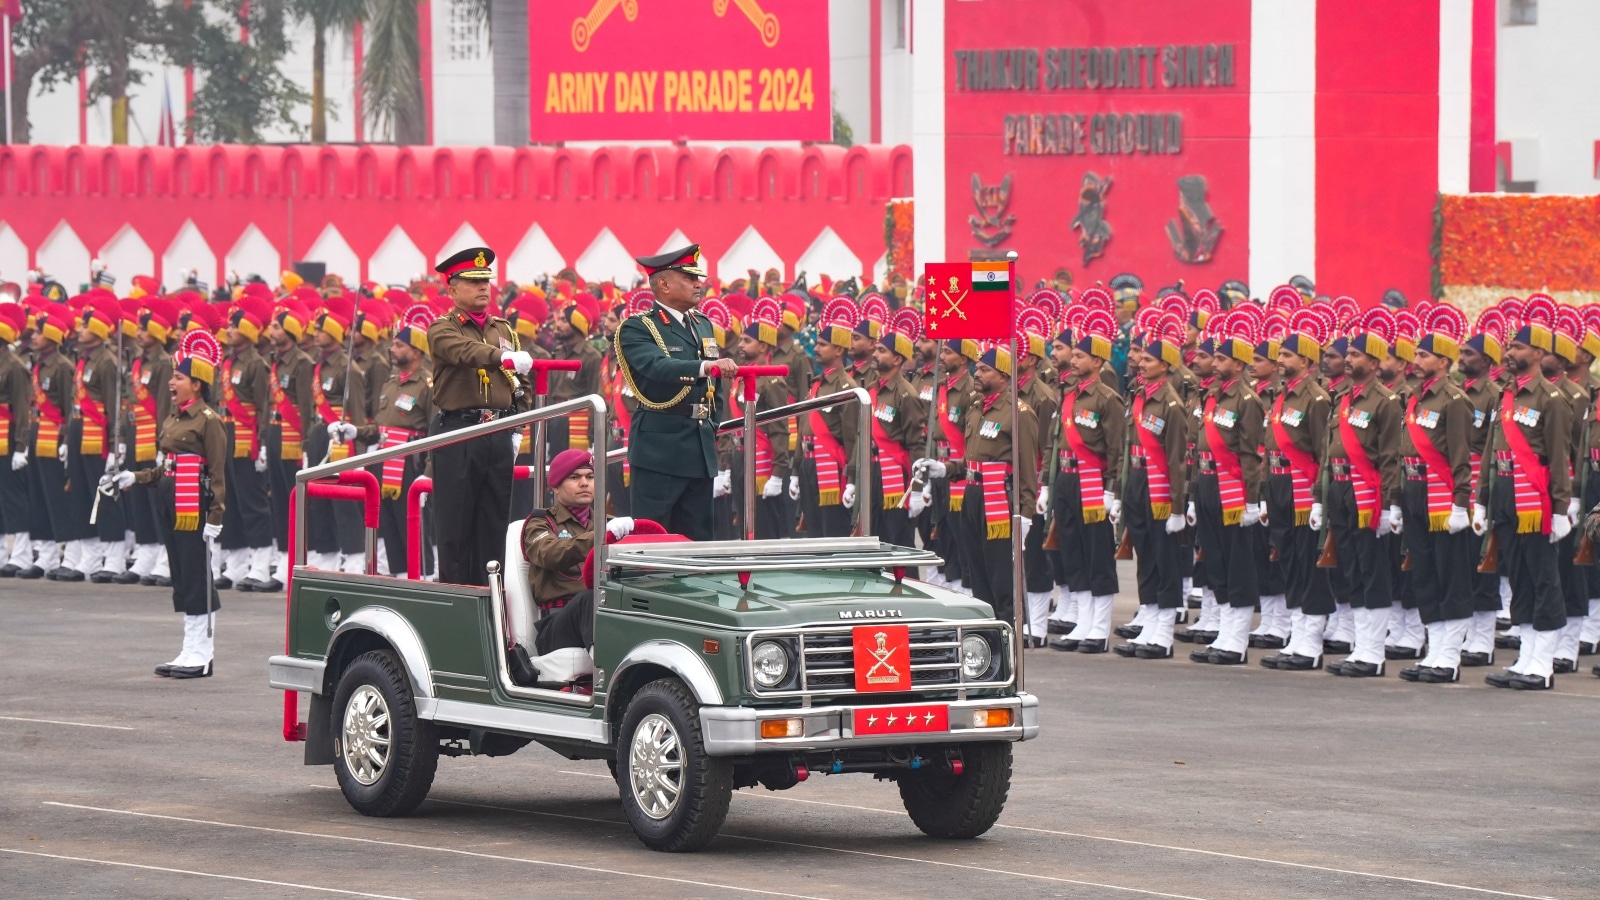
193	429
1300	409
772	516
1375	417
1236	413
374	366
1442	564
985	543
404	407
98	374
903	419
827	517
16	425
244	386
53	383
1161	418
566	386
864	373
555	545
466	364
1085	535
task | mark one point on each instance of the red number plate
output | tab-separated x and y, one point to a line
915	719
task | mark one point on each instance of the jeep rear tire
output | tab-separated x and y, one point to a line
960	806
384	756
676	798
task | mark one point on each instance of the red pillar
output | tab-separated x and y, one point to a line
1485	33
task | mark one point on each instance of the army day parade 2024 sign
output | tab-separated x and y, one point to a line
634	70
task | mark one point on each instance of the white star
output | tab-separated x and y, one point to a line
891	719
871	721
927	717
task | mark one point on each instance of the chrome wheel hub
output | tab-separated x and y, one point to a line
655	762
365	737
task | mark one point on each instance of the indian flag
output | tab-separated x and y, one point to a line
991	276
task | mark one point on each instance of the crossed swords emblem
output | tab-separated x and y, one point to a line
584	27
881	661
953	300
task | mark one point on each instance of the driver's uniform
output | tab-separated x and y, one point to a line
555	542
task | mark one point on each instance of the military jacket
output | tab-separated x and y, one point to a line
16	395
801	369
1044	400
466	364
555	544
1304	417
404	401
99	378
330	373
1167	418
990	431
1239	418
960	397
1444	414
569	385
296	375
1543	415
661	359
1102	421
1377	418
1588	440
374	366
840	419
250	378
897	411
54	376
1484	395
154	371
197	429
1185	383
865	373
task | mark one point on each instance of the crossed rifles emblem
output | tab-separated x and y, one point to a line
584	27
880	658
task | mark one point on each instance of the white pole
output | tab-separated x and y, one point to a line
1019	597
8	74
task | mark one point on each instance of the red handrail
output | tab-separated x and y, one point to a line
542	369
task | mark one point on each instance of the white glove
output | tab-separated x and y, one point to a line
619	528
1042	506
918	501
521	360
212	532
1252	514
794	487
1316	517
1560	527
722	485
1113	507
1027	526
1480	519
122	454
305	461
1175	523
61	451
1188	515
930	468
161	458
343	432
516	442
19	460
848	498
1395	521
107	482
261	460
125	480
1459	520
1574	510
774	488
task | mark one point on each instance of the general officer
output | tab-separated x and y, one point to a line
472	479
667	354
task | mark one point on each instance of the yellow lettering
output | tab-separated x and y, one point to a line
600	79
650	90
623	102
569	90
698	102
744	90
714	94
552	94
670	92
685	101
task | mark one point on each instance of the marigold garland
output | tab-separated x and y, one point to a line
1524	241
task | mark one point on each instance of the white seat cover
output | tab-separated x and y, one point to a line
565	664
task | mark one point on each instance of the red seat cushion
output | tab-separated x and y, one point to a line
645	531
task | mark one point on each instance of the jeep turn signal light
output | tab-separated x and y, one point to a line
781	728
991	718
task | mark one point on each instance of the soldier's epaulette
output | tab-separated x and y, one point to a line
461	318
209	414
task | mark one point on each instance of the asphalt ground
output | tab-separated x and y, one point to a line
1150	779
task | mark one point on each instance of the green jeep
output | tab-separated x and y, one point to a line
715	666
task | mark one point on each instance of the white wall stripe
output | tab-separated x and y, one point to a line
927	129
1283	150
1455	95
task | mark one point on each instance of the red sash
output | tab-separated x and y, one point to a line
1156	472
393	469
242	414
1302	465
1230	474
94	418
764	457
329	414
144	416
1533	503
1440	476
996	505
291	431
186	469
894	460
48	436
829	455
956	439
5	430
1364	475
1091	466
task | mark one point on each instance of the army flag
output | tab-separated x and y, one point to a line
968	301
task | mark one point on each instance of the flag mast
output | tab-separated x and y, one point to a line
1018	596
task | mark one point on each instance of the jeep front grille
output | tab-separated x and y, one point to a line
828	658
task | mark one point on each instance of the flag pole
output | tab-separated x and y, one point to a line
1019	613
6	17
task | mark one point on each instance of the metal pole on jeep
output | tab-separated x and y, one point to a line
1019	597
747	386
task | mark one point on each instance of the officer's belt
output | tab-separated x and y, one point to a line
1414	468
975	474
477	415
687	410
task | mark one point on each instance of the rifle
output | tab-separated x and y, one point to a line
917	479
1585	554
1125	540
1051	539
114	459
1330	550
349	369
1491	545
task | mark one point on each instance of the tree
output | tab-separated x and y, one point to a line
50	34
245	90
392	78
325	16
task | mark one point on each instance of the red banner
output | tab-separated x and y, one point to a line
922	717
628	70
968	301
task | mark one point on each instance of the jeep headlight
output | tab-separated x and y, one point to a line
975	657
770	663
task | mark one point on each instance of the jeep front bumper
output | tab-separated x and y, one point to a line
736	730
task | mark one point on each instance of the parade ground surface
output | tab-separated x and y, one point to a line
1158	779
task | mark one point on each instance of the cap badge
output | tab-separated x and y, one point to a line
479	261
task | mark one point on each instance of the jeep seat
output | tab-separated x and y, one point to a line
645	531
563	666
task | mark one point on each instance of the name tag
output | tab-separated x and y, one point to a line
1526	416
927	393
1225	418
327	383
237	376
989	429
405	402
1088	419
708	346
87	375
885	413
505	344
1293	417
1359	419
1153	424
1477	418
1428	418
145	378
564	534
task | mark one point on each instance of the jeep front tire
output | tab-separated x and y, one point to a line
960	806
384	756
676	798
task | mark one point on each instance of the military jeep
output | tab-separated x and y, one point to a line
715	666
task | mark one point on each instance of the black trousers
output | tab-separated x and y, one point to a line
1574	580
247	519
140	509
1528	561
1443	565
334	526
392	524
83	481
987	561
618	501
1305	587
821	521
892	526
568	626
1229	550
471	503
1364	557
187	555
47	496
1156	553
681	505
1087	550
1038	564
14	514
942	528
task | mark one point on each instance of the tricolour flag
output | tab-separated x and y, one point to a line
991	276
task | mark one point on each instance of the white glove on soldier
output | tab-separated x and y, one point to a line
261	460
212	532
1480	519
161	459
1113	507
774	488
794	487
1560	527
1043	505
1459	520
930	468
521	360
1395	521
1252	514
1574	510
917	501
722	484
61	451
1027	526
619	528
516	442
343	431
125	480
19	460
1316	517
848	497
1175	523
1188	515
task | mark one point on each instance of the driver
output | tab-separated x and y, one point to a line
555	542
